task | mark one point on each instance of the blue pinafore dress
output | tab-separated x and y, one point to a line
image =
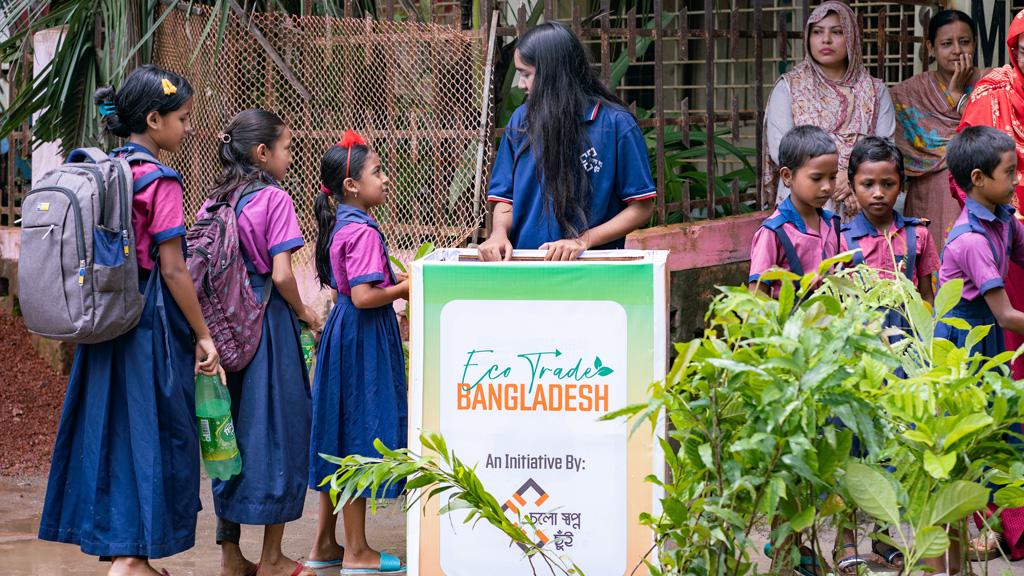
124	477
270	407
359	388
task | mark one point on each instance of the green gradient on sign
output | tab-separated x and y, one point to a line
631	285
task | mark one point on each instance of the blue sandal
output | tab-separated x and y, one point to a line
321	564
388	565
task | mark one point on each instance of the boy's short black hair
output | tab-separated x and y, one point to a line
976	148
875	149
803	143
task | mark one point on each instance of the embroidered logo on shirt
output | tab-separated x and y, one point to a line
590	161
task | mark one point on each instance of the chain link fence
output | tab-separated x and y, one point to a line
414	91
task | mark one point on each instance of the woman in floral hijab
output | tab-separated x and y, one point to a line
830	89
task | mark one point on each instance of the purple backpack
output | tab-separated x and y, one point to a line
220	271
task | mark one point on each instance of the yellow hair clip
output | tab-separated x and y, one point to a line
168	87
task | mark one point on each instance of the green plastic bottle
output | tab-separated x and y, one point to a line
216	429
308	345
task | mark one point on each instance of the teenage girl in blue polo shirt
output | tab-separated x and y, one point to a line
593	184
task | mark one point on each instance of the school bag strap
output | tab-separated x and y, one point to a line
86	156
910	225
246	196
133	156
852	243
775	224
974	225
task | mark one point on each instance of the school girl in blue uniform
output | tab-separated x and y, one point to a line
359	389
270	397
572	171
124	480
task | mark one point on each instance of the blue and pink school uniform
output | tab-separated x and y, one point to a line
359	388
124	478
615	163
978	250
904	236
270	397
785	241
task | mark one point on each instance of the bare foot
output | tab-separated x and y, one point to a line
233	563
131	566
326	552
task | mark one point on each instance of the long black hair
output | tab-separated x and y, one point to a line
564	87
247	130
143	91
342	161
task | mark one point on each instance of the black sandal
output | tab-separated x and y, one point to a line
887	552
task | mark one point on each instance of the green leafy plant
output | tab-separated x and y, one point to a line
429	476
763	408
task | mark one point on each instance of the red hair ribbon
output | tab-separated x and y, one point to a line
349	139
327	191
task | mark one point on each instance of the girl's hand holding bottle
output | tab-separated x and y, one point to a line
207	358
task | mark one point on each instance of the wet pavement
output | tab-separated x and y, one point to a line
21	554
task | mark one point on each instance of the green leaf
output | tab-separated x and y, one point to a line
872	492
597	361
604	371
939	467
948	296
966	425
977	334
958	323
915	435
955	501
1010	497
705	456
398	264
802	520
931	541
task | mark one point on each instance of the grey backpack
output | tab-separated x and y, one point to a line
78	277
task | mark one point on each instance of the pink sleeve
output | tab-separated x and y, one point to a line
973	255
167	215
764	253
363	256
927	256
283	232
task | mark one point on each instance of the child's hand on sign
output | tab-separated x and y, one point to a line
568	249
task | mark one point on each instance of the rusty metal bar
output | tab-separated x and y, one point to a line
606	8
880	40
684	32
759	100
709	76
631	36
659	114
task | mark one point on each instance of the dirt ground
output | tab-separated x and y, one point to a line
31	396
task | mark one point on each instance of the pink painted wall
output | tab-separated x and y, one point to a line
701	244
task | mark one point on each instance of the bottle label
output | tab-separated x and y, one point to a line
217	438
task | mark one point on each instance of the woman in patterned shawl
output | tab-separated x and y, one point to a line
830	89
928	108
